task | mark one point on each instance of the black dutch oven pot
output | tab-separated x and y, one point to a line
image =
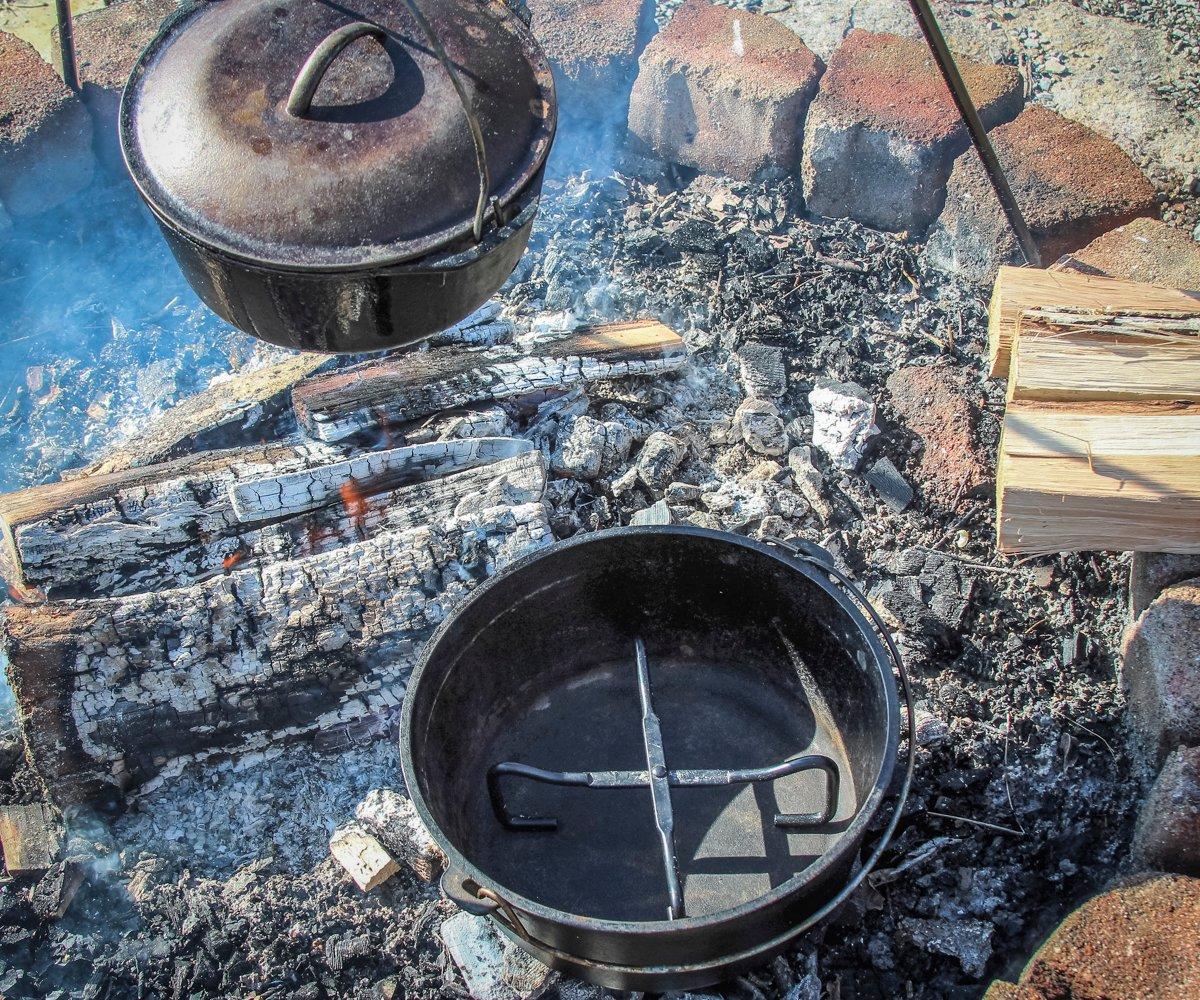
755	653
347	176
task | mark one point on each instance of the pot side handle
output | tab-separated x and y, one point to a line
313	71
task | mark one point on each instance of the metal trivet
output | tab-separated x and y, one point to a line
660	780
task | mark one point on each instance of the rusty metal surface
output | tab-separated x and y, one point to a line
380	170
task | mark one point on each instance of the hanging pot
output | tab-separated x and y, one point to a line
342	177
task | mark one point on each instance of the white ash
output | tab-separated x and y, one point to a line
493	968
660	456
843	421
758	423
588	448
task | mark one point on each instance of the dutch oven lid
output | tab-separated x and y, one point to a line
309	134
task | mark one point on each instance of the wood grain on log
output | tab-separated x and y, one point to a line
241	409
378	395
109	691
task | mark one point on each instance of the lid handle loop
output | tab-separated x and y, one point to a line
481	163
313	71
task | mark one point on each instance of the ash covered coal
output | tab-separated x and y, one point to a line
217	882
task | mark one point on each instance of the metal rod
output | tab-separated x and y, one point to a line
660	788
66	44
966	108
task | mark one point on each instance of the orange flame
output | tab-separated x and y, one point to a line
354	501
234	558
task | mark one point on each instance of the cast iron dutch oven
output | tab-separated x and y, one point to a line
741	691
341	176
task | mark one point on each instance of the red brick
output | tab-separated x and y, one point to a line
883	133
1168	830
593	46
45	133
1150	573
1144	250
1072	184
698	103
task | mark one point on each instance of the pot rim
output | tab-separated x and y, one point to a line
513	191
848	843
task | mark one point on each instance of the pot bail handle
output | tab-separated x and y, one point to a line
313	71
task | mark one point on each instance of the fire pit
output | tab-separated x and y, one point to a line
652	753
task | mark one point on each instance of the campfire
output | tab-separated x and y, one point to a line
705	568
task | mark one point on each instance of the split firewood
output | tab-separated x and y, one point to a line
365	859
240	409
1103	476
109	691
393	819
1073	354
1019	289
31	835
377	395
296	492
175	524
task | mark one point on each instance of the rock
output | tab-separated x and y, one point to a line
843	421
1150	573
1167	837
393	819
45	133
723	91
942	407
365	859
1161	666
758	423
591	447
32	836
1135	942
656	463
1072	185
493	969
108	42
658	513
593	46
889	484
764	375
883	132
970	941
1145	250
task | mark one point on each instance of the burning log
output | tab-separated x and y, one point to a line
239	410
378	394
178	523
111	690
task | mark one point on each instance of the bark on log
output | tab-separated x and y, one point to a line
243	409
109	691
379	395
176	524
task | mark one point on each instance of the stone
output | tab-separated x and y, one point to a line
1135	942
843	421
657	513
1167	837
1150	573
108	42
1161	669
393	819
1071	183
31	835
45	133
882	135
723	91
656	463
365	859
970	941
1144	250
942	407
593	47
758	423
492	968
591	447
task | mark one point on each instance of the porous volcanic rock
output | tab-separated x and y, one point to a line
593	46
1135	942
108	42
45	133
1162	669
883	133
1144	250
1168	830
724	91
942	406
1072	185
